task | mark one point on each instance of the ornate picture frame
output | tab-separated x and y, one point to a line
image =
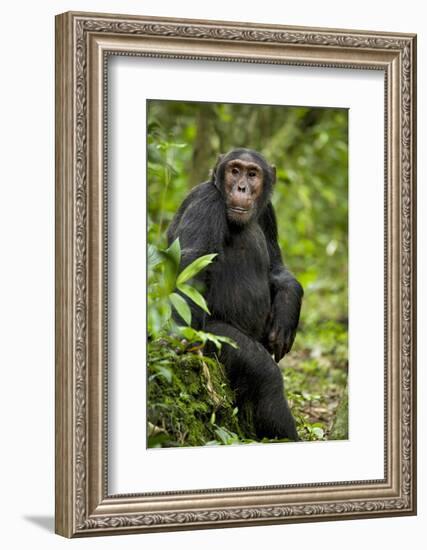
84	42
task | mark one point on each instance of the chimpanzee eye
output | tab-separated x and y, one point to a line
252	174
234	171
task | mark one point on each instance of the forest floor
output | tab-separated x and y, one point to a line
315	374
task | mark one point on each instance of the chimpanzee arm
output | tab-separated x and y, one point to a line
200	224
286	293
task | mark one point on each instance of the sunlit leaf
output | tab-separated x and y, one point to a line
195	267
163	371
219	340
174	252
331	247
193	335
194	295
318	432
222	435
181	307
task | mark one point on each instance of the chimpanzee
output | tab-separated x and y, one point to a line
252	297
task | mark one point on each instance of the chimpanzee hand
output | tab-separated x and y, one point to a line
281	328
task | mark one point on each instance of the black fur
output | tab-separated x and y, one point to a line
252	297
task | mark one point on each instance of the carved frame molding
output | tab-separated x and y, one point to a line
83	43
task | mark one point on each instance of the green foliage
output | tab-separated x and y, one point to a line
181	307
203	337
163	278
309	148
191	270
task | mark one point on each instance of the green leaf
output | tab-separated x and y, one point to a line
192	335
157	441
219	340
222	435
200	336
194	268
174	252
154	257
163	371
181	307
159	314
172	256
318	432
194	295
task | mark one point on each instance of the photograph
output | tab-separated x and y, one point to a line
215	209
235	274
247	296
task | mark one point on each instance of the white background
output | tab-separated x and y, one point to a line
133	468
27	275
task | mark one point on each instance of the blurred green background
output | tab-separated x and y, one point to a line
309	147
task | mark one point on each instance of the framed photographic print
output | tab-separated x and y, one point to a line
235	274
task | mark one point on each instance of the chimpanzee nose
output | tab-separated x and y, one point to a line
241	188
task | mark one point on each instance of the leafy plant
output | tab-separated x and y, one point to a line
164	278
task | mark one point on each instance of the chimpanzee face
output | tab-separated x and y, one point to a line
243	186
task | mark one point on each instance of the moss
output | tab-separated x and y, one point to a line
189	400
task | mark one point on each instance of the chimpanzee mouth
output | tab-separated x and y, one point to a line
239	210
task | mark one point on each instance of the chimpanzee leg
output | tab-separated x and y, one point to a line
250	368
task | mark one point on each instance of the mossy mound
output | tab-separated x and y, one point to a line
189	400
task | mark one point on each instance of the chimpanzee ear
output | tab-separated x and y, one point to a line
215	169
273	174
